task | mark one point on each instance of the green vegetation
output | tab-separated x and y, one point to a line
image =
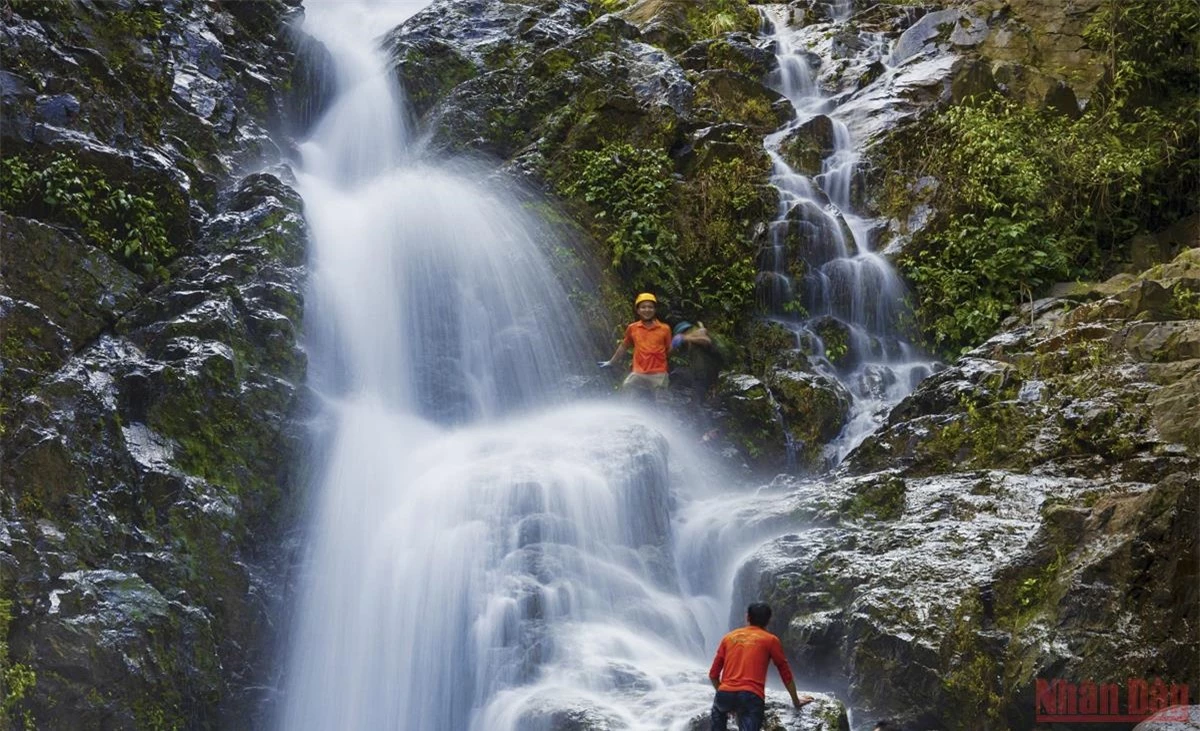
718	207
1027	197
712	18
721	54
1186	303
1033	592
630	190
121	222
989	432
610	6
881	500
15	678
973	686
142	22
430	72
685	240
697	21
834	335
732	99
218	437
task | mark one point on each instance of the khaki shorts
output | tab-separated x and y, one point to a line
651	381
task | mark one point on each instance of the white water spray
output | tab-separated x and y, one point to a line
821	260
484	554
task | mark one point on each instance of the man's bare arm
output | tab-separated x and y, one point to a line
697	336
617	356
797	701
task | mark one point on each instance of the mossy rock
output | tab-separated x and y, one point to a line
732	52
751	420
259	17
815	235
31	347
771	343
725	142
813	407
676	24
427	69
112	630
738	98
835	338
878	499
1174	407
806	147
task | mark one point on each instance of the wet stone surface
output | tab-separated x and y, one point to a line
148	419
1012	511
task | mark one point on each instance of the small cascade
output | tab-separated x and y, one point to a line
820	275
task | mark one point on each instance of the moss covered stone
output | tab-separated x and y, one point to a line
147	430
676	24
877	499
813	408
806	147
427	70
732	96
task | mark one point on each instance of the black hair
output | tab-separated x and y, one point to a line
887	725
759	613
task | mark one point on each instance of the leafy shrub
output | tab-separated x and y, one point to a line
630	191
684	240
712	18
16	679
718	208
1027	197
122	223
1186	303
610	6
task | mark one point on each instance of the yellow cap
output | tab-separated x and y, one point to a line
645	297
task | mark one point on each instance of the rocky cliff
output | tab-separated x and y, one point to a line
1029	512
152	279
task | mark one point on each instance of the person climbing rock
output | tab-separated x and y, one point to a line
701	362
739	672
650	340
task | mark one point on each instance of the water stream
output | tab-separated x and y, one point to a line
485	552
822	277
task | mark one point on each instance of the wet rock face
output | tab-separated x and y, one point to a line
1172	719
825	713
807	146
148	418
532	85
149	92
1094	382
158	452
614	83
579	717
789	413
1013	511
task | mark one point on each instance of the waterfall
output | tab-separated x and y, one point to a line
484	553
821	276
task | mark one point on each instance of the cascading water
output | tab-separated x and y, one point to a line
483	554
821	276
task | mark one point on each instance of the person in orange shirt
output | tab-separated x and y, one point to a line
651	341
739	672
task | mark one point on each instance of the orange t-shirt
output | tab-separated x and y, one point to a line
650	344
743	657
